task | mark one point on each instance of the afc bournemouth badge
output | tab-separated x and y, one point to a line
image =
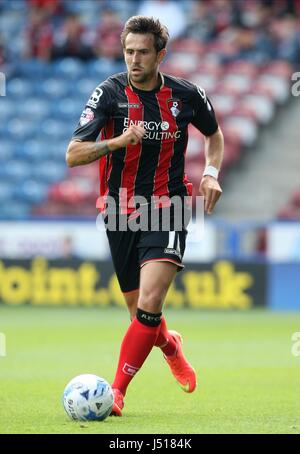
175	106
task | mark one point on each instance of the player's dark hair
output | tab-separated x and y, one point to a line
144	24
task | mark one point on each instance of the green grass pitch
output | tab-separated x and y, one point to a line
248	379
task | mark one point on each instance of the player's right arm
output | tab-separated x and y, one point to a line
80	153
84	148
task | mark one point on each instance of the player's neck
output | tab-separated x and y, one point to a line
149	85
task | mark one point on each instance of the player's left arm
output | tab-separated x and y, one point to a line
209	185
205	121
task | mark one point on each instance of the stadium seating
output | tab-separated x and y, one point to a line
45	99
292	209
35	132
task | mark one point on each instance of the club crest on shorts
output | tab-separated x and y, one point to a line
175	106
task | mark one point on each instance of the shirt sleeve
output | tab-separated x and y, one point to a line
204	116
95	114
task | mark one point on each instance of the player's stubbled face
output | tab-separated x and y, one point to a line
141	57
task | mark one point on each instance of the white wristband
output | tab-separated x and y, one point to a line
211	171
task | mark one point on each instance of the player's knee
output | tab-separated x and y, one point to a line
151	301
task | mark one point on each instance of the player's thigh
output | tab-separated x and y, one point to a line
160	255
124	252
155	280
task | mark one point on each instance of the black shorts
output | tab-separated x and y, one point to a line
131	250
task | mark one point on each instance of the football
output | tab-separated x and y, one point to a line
88	397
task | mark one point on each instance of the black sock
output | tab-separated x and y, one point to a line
147	318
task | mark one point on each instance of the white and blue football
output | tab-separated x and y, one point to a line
88	397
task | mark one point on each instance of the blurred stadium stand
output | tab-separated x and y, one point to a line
242	52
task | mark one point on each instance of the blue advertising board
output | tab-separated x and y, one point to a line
284	286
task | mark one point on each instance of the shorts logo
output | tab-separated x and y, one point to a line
130	370
86	116
172	251
175	106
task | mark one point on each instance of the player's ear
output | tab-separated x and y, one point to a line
161	55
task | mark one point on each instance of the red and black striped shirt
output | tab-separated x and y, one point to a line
154	167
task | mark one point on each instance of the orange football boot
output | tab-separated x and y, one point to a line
118	403
181	369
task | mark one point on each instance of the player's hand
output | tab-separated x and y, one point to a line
133	135
211	190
